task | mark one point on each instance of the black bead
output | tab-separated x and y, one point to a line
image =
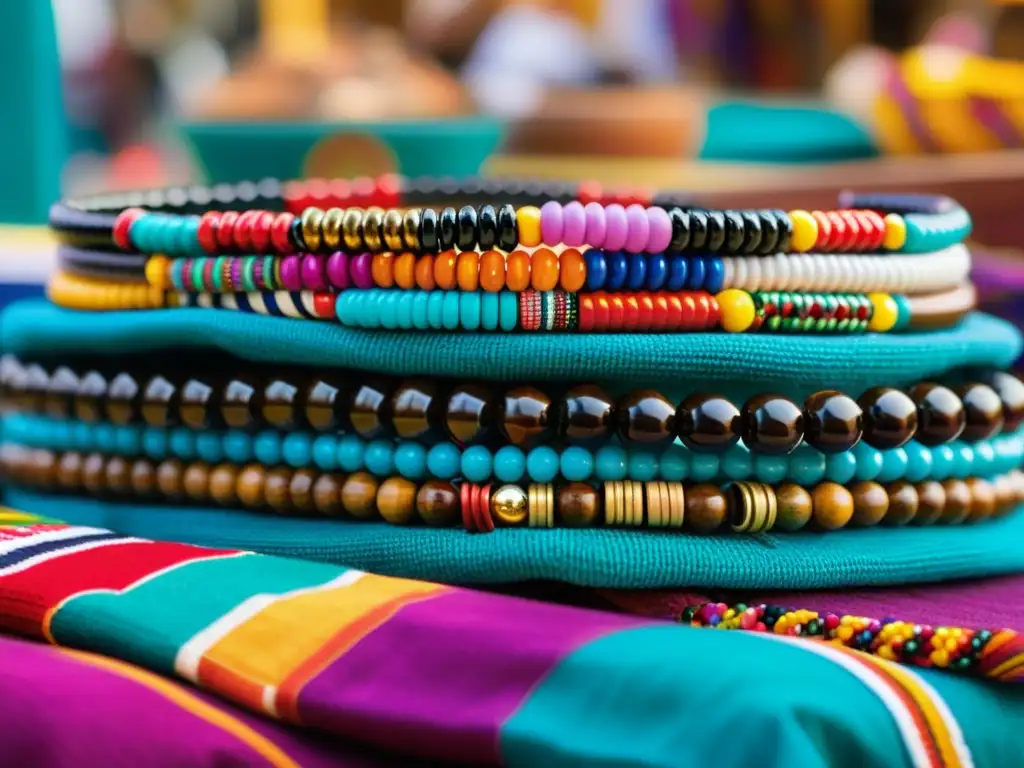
241	403
752	234
940	414
417	410
890	417
470	414
367	410
785	231
295	234
524	416
735	232
983	410
716	231
585	415
280	403
34	383
708	423
769	232
645	417
680	229
92	388
698	230
448	228
157	399
467	234
508	228
197	406
487	227
833	422
60	392
123	399
772	425
428	234
324	403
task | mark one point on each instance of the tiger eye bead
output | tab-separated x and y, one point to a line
197	407
170	475
373	221
983	412
708	423
903	503
280	403
359	495
327	494
833	422
300	491
352	229
157	398
931	501
143	478
470	413
646	417
276	490
772	425
240	402
122	400
585	415
391	230
958	502
1011	392
983	499
579	505
411	229
117	475
437	503
447	228
416	410
197	481
870	504
396	500
890	417
833	506
523	416
367	410
60	393
69	470
323	403
93	474
223	479
92	389
794	507
706	508
940	414
250	486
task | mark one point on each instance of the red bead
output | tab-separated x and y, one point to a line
862	312
482	509
630	313
674	316
586	313
226	231
318	190
815	310
589	192
207	233
659	312
389	190
616	313
363	189
700	319
689	312
280	230
824	231
339	193
602	313
208	265
840	232
122	226
842	312
466	505
294	195
243	230
323	304
714	312
261	224
859	237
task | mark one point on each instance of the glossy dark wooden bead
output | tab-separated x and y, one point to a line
523	416
772	425
143	478
833	422
890	417
508	228
751	232
470	413
281	408
197	402
716	231
327	494
223	482
92	389
486	227
734	231
466	228
60	393
646	417
708	423
931	501
69	470
1011	391
448	228
324	403
117	474
300	491
367	409
276	487
680	229
123	399
983	411
940	414
170	476
578	504
94	478
769	224
429	235
42	466
699	230
417	410
157	400
785	240
240	402
437	503
586	415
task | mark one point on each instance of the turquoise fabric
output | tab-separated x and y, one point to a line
592	557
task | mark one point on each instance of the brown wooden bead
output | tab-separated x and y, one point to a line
157	398
92	390
396	500
708	423
983	499
940	414
1011	392
645	417
958	502
890	417
523	416
706	508
280	404
223	480
143	478
367	409
932	500
1006	495
903	503
327	494
197	481
69	470
437	503
417	410
795	507
983	411
300	491
170	476
197	407
833	422
870	504
325	403
117	475
240	402
276	490
60	393
771	425
94	473
359	495
251	486
585	415
470	413
578	505
123	399
833	506
42	466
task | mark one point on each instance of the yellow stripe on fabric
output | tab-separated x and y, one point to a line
1010	665
251	660
10	516
192	704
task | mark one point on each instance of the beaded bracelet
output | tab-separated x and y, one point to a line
525	416
744	507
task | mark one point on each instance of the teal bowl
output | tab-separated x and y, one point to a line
231	152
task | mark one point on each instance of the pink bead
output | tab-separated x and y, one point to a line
574	225
749	620
660	226
337	270
639	229
291	280
616	227
596	225
359	270
551	223
314	277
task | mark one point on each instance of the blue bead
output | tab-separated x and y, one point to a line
715	277
489	311
325	452
841	467
104	437
419	310
984	460
81	436
806	466
508	310
127	440
610	463
411	460
476	464
542	464
678	273
209	447
469	310
405	309
444	461
379	458
350	453
267	447
963	461
509	464
597	270
636	273
697	273
182	443
617	270
894	465
237	446
771	469
154	442
61	435
576	463
435	309
943	459
919	462
675	463
704	466
869	461
643	466
657	271
389	310
450	310
737	463
297	449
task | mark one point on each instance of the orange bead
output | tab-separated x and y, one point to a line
444	270
425	272
405	271
467	270
544	270
382	269
492	271
517	271
572	271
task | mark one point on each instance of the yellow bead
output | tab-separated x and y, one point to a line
737	310
729	614
844	633
805	231
157	271
951	644
886	312
528	221
939	658
895	232
886	653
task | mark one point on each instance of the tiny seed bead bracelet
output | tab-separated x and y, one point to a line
990	403
746	508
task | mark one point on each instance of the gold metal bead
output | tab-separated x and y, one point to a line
753	507
411	229
392	230
510	505
352	229
330	228
312	219
373	219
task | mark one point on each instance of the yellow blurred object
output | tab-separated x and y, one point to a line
296	29
72	292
